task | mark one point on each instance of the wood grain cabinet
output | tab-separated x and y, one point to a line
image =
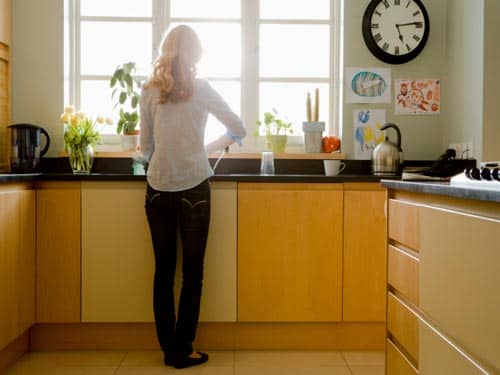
118	261
365	242
443	258
290	252
58	252
17	261
5	21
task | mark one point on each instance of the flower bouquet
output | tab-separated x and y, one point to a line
80	138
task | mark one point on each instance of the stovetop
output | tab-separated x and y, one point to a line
487	177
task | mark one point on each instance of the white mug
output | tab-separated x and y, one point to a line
333	167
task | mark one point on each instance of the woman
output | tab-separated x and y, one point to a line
174	108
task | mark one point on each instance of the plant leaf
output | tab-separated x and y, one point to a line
135	101
123	97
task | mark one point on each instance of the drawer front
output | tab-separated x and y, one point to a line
396	362
402	323
403	273
459	279
404	223
438	356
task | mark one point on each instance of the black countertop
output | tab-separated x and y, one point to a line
244	177
444	188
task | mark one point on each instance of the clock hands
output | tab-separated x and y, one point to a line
400	35
417	24
398	25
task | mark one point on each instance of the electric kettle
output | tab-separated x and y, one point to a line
26	148
387	156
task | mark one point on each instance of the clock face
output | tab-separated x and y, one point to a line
395	31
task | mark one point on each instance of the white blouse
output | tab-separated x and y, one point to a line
172	136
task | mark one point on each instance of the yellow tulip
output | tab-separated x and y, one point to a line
65	118
70	109
100	120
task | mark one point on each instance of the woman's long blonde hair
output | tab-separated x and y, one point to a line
174	70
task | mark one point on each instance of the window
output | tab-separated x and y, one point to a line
259	54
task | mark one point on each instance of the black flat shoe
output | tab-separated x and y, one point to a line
183	362
169	360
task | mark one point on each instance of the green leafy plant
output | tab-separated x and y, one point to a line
126	92
273	125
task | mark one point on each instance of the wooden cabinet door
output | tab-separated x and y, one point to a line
17	263
58	252
289	252
118	261
365	228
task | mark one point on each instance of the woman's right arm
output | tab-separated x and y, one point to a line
218	107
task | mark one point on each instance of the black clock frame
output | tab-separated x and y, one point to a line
379	52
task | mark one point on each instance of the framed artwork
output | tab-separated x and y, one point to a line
367	133
417	96
370	85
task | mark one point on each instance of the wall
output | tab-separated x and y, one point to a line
37	66
421	135
463	84
491	126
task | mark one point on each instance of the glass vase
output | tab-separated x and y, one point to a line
81	158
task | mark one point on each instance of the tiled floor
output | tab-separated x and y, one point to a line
220	363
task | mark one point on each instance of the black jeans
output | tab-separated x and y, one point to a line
188	210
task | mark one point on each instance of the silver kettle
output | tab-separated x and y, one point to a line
387	156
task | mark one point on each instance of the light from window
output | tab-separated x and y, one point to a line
294	50
205	8
289	99
105	45
116	8
221	49
295	9
95	99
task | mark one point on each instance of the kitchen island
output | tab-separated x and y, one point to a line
443	253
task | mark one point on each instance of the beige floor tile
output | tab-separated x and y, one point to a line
155	358
34	369
145	370
143	358
161	370
324	370
367	370
361	358
288	359
75	358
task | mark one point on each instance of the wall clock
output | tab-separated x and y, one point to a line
396	31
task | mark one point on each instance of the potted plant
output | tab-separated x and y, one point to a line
276	131
126	92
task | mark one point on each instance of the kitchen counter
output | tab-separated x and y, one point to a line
305	178
443	188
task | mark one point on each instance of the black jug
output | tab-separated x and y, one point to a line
25	148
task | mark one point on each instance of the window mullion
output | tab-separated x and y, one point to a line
336	56
250	66
76	69
161	16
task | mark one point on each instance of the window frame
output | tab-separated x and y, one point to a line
249	73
